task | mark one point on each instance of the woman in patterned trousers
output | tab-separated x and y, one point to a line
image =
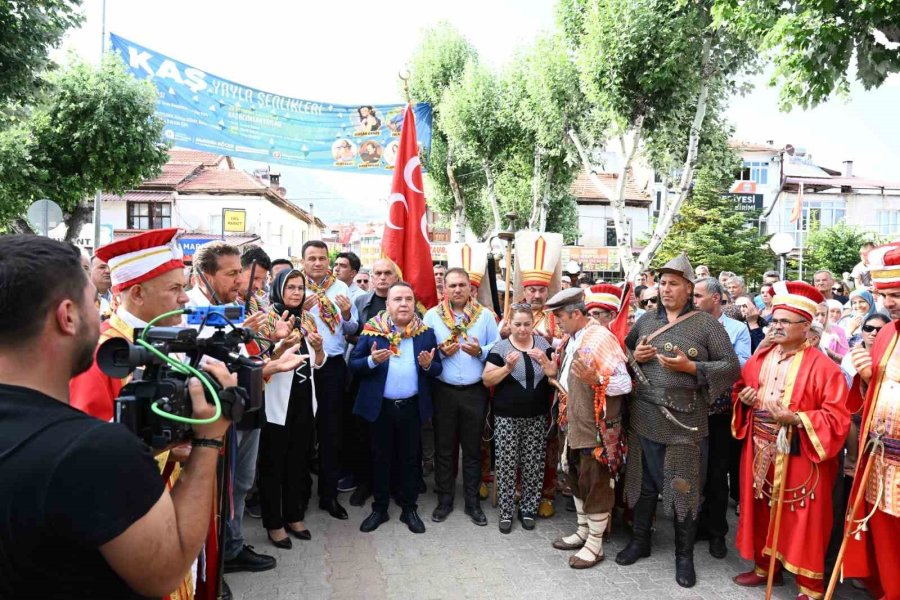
519	368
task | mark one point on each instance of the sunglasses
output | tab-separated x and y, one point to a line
836	289
871	328
647	301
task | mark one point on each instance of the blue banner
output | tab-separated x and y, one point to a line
205	112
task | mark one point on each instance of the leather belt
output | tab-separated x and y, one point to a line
399	402
461	387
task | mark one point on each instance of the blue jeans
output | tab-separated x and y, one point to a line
244	473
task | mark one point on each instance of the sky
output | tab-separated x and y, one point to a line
350	52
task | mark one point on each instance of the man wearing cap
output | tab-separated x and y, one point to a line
465	332
592	386
874	530
708	294
790	410
684	361
537	258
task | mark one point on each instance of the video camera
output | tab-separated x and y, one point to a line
156	405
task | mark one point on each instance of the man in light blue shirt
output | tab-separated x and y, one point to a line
328	301
465	333
724	450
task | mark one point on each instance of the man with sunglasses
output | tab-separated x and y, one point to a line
873	542
790	409
649	299
362	280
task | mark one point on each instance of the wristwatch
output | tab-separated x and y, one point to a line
218	444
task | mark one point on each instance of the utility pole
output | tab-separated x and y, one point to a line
98	197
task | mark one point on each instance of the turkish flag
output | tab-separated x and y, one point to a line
405	239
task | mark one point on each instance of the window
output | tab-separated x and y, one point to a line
888	221
149	215
611	232
817	214
757	171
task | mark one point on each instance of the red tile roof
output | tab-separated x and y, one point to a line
585	191
172	174
221	181
183	155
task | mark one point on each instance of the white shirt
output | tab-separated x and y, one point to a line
619	381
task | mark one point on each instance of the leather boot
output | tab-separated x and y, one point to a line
685	531
639	545
577	539
592	551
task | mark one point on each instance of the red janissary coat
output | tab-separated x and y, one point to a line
860	558
819	397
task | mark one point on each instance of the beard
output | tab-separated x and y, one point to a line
84	353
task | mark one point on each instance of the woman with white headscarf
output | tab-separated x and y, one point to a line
833	341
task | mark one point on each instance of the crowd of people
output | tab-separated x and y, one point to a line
676	393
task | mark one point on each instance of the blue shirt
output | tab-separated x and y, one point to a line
335	344
461	368
402	379
739	336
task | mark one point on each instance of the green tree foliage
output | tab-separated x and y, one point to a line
708	228
94	129
834	248
816	44
28	31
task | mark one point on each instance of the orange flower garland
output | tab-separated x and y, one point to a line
602	452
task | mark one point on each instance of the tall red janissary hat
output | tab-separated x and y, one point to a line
142	257
798	297
884	266
605	296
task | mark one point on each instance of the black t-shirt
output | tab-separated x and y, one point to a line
69	483
525	398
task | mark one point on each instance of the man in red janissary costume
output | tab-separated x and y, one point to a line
873	546
790	408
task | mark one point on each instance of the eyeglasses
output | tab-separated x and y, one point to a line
871	328
598	313
653	300
784	322
293	288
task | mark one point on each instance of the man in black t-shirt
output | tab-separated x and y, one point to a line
83	511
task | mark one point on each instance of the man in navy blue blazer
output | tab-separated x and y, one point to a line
395	360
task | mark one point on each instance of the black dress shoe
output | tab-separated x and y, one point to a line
304	535
477	515
360	495
441	513
505	525
284	544
333	508
373	521
248	560
412	520
717	547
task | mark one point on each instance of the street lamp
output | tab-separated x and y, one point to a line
781	244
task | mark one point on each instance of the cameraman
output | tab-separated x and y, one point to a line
83	510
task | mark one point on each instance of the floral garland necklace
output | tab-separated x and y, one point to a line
613	458
381	325
471	312
327	310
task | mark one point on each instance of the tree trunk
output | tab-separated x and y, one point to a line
545	201
492	196
535	190
80	215
617	196
459	213
671	207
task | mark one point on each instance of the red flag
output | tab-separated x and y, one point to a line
405	239
619	325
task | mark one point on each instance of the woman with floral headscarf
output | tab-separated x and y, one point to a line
862	304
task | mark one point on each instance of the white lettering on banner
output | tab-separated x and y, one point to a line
167	70
230	90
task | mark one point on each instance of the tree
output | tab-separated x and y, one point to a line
438	61
650	67
708	228
28	30
94	129
813	42
834	248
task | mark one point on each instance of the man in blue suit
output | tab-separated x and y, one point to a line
395	360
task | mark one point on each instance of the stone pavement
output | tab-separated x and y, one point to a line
457	559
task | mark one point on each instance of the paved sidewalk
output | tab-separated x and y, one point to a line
457	559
